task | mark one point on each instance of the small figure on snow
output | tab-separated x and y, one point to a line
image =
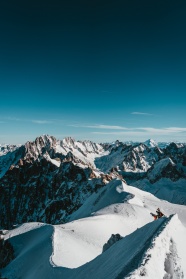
158	215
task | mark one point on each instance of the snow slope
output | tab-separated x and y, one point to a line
142	253
172	191
152	249
166	251
128	201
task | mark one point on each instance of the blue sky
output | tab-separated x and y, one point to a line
102	71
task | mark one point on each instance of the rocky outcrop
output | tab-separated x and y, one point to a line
112	240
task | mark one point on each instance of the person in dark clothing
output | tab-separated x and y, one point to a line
158	215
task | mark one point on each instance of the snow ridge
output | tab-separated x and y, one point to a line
141	259
163	251
74	250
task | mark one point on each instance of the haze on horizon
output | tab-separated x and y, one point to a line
98	70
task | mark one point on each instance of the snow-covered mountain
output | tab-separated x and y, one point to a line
68	198
82	153
47	180
9	155
5	148
151	143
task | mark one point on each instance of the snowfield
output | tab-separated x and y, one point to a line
148	249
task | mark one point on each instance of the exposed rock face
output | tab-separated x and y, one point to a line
112	240
164	168
41	191
42	145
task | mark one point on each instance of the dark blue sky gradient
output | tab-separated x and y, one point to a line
90	63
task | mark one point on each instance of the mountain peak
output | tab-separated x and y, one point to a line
46	138
68	141
150	143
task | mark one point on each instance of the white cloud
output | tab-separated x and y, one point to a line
100	126
41	121
132	133
136	131
139	131
177	129
141	113
161	131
